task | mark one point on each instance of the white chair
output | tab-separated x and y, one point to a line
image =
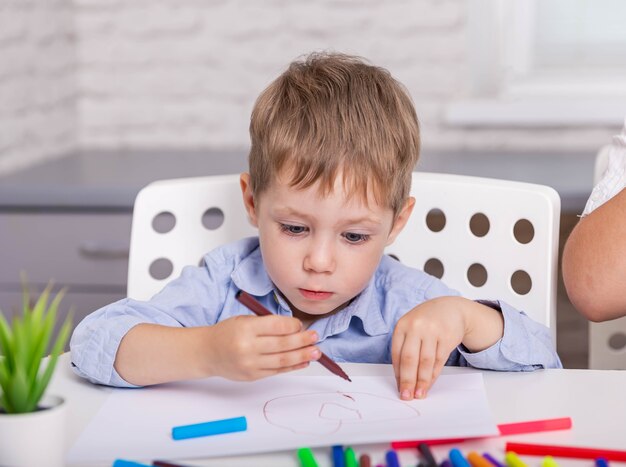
175	222
476	251
607	341
479	243
601	163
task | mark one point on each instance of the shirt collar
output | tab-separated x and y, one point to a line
365	307
250	275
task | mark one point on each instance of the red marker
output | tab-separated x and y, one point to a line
534	426
572	452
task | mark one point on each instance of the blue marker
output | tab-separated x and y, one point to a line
602	462
392	459
339	459
457	458
125	463
217	427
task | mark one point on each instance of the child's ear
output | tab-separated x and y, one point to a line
248	198
401	219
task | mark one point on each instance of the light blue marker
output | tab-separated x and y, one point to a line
217	427
457	458
125	463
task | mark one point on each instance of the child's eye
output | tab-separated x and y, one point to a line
355	237
293	229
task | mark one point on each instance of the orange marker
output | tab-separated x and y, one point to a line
477	460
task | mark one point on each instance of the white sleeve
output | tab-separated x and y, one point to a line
614	179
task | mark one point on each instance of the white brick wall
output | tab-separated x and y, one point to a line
37	81
185	73
188	72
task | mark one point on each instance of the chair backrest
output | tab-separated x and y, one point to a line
487	238
475	252
601	163
175	222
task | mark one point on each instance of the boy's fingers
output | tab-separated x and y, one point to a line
289	359
409	360
284	370
276	325
427	357
277	344
397	340
440	361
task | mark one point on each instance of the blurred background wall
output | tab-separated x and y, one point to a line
184	74
38	81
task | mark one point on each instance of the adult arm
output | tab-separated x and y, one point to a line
594	262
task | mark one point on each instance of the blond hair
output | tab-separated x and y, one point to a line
331	113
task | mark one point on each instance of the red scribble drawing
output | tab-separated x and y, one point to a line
321	413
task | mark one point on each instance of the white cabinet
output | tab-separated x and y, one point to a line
85	252
68	219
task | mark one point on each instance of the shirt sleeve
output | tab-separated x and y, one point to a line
194	299
526	345
614	179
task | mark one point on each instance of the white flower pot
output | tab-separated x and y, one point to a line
34	439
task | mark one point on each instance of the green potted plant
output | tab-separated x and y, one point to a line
32	423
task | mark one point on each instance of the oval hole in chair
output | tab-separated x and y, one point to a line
479	224
161	268
163	222
523	231
435	220
477	275
434	267
617	341
521	282
213	218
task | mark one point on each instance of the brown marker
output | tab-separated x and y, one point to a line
365	461
258	309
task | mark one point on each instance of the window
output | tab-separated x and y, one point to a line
545	62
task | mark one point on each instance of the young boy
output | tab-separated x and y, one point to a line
334	142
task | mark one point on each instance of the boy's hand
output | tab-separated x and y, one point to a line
421	343
426	335
253	347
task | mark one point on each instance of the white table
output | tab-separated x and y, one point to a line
595	400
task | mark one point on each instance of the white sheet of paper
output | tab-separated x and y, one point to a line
283	412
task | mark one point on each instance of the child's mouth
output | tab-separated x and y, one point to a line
315	295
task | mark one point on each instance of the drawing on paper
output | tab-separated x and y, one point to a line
326	412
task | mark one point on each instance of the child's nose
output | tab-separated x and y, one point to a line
320	257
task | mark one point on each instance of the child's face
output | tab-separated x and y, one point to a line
320	251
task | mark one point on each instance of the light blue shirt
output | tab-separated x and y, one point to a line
361	332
